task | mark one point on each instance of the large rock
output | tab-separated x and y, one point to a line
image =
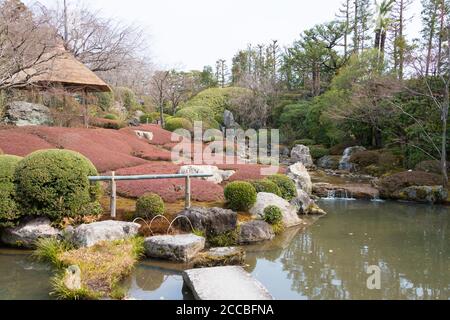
212	221
255	231
346	191
422	194
305	205
179	248
264	200
224	283
299	174
22	114
301	153
218	176
27	233
218	257
88	235
229	121
345	163
329	162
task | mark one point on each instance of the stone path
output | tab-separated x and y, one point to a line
224	283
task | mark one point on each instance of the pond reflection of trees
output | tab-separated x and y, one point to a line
409	242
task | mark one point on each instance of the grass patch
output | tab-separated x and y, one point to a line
227	239
102	267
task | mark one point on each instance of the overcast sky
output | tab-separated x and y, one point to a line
189	34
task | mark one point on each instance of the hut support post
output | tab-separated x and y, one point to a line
113	200
188	192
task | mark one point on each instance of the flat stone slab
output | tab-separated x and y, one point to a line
179	248
225	283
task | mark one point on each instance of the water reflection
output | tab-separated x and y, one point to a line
328	261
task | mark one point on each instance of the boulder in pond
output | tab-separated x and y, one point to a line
218	257
302	154
264	200
88	235
306	206
28	232
212	221
422	194
255	231
178	248
299	174
20	113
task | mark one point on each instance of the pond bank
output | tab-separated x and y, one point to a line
324	261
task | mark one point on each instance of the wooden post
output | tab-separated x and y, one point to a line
188	192
113	195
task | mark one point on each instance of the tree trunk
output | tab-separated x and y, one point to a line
441	31
401	49
445	108
355	29
430	40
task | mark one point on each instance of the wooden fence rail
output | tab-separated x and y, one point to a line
113	179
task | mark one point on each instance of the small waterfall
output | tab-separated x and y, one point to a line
341	194
345	163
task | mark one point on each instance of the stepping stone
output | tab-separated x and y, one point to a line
179	248
225	283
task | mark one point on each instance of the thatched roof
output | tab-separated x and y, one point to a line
65	70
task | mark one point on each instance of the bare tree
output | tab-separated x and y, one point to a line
27	44
158	91
103	44
180	86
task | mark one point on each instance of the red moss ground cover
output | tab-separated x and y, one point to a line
171	190
160	136
19	143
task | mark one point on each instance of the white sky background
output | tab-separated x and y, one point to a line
189	34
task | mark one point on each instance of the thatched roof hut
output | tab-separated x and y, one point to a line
63	69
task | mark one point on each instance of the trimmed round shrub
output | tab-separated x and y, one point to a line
265	185
365	158
9	210
240	195
286	185
398	181
55	184
178	123
318	152
149	206
199	113
273	215
111	116
431	166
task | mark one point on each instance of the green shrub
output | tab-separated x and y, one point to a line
240	195
178	123
286	185
146	118
273	215
107	124
265	185
226	239
111	116
104	100
365	158
9	210
305	142
55	184
127	97
398	181
318	152
431	166
149	206
198	113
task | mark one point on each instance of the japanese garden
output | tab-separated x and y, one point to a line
288	171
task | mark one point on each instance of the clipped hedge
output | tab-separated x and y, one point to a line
146	118
286	185
318	152
265	185
240	195
396	182
273	215
55	184
178	123
199	113
149	206
431	166
9	210
365	158
111	116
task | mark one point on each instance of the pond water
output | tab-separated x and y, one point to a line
410	243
